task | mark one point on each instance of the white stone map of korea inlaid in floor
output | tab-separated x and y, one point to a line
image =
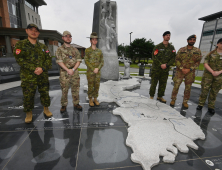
155	129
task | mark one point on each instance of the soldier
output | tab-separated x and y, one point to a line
69	60
35	61
187	60
212	78
163	57
94	62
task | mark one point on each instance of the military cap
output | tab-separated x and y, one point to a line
192	36
66	33
219	41
94	35
166	32
32	25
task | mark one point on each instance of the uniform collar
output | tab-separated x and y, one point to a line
64	46
37	43
165	46
92	48
189	49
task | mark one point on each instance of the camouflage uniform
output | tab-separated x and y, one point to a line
209	82
69	56
186	59
93	59
161	55
29	57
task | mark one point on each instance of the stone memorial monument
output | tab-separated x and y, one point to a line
105	25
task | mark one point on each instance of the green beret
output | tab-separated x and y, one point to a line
166	32
192	36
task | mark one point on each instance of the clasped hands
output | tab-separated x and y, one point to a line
185	70
216	73
96	70
163	66
38	71
70	72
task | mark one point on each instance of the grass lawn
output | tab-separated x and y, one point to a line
133	65
201	67
81	69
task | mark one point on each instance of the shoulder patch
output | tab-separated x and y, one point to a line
18	51
156	52
47	51
174	51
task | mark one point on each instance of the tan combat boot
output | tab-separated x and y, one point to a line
96	102
28	118
47	112
161	99
172	103
185	105
91	102
151	97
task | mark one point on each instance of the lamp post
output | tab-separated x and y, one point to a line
130	44
130	37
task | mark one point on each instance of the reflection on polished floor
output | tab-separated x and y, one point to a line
94	138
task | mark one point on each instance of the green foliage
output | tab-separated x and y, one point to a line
139	50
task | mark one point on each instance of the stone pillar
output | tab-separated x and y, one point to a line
46	41
8	46
37	9
105	25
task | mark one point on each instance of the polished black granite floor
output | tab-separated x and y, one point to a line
94	138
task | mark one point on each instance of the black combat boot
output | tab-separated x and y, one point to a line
199	107
210	110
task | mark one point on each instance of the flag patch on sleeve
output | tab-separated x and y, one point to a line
18	51
156	52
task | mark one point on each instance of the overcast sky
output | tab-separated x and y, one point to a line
145	18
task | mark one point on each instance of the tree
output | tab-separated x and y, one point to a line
140	48
121	50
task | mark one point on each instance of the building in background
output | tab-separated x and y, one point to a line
211	32
15	15
80	48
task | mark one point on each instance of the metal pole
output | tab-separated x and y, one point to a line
130	44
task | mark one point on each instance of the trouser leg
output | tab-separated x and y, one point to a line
178	79
28	89
187	92
96	85
64	83
162	83
154	81
206	84
216	86
75	83
189	79
43	88
91	80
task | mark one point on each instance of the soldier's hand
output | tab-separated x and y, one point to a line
185	71
38	71
70	71
163	66
216	73
96	70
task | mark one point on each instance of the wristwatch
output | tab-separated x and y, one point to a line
43	69
191	69
73	69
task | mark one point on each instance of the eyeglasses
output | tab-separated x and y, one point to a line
67	36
